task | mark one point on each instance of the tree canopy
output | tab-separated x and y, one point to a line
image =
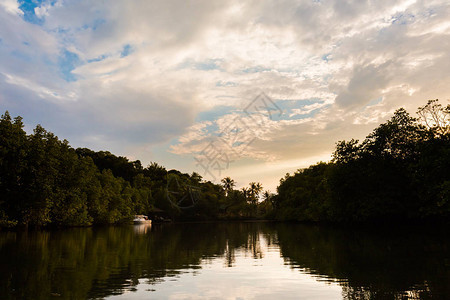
400	171
44	181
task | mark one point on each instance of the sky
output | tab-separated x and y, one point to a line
247	89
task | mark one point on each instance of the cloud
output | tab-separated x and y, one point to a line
365	84
11	7
128	76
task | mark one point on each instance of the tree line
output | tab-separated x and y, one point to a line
44	181
400	171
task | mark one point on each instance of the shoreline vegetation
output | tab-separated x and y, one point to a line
399	173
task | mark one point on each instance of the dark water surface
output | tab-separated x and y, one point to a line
225	261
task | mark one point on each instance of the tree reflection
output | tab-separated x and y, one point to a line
98	262
381	263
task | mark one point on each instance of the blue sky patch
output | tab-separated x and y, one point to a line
226	83
28	6
214	113
403	19
99	58
375	101
210	64
127	50
326	57
68	61
288	106
94	24
206	65
256	69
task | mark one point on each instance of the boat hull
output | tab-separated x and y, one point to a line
142	221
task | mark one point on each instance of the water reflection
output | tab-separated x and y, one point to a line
269	260
373	263
142	228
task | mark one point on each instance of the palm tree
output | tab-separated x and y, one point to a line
254	190
267	195
228	185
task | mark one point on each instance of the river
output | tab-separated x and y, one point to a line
225	261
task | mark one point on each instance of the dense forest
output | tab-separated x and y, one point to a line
44	181
400	171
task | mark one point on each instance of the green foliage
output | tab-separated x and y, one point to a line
119	165
228	184
44	181
235	205
13	150
400	171
303	196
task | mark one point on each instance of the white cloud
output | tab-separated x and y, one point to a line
147	70
11	6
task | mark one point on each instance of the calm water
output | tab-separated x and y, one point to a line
225	261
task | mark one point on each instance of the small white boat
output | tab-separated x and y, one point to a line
141	219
